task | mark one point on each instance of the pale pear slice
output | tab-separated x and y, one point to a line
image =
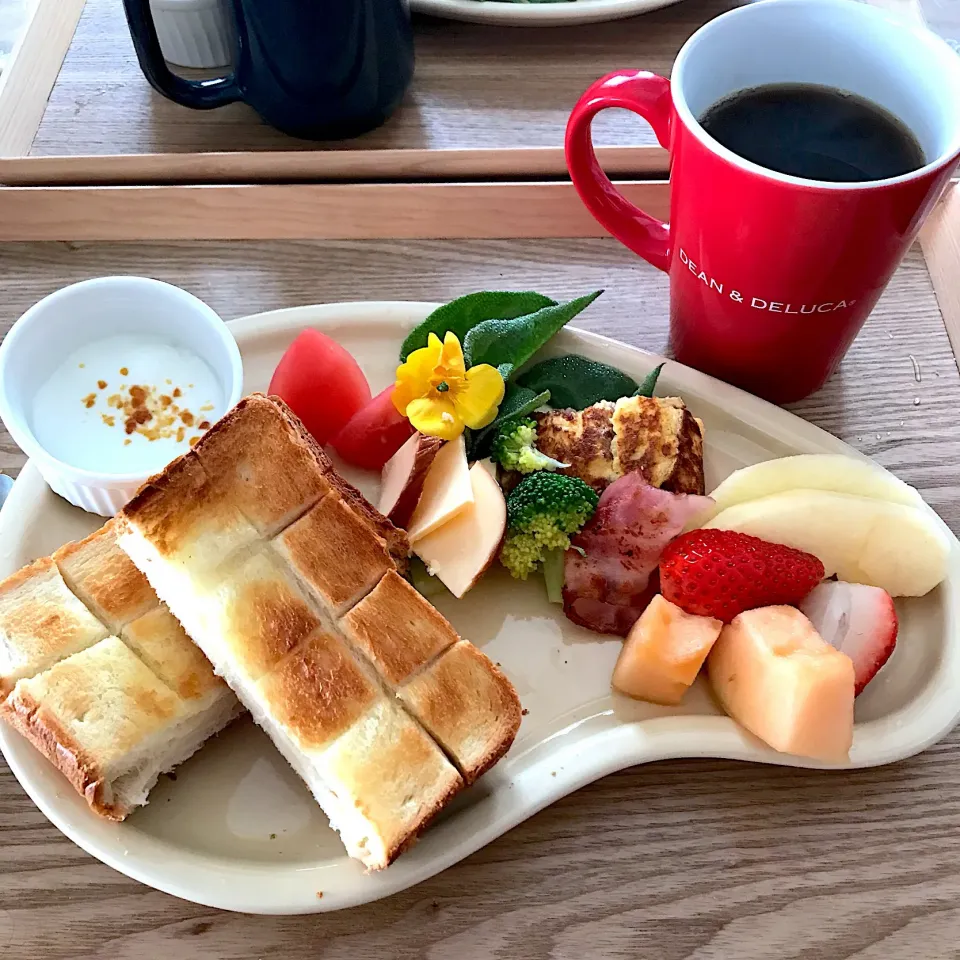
460	551
812	471
899	548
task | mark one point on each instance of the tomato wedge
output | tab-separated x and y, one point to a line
321	382
374	434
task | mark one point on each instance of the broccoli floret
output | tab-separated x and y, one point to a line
515	448
553	571
543	511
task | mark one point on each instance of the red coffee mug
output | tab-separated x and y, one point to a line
772	276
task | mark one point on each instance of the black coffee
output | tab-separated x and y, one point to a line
814	132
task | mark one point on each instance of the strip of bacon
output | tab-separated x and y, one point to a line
610	572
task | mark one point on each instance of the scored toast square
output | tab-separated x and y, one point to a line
269	465
159	641
41	621
318	691
203	533
103	577
266	470
396	629
468	705
334	553
255	616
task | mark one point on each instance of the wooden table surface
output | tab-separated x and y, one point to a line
475	86
691	860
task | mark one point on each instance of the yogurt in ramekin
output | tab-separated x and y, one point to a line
106	381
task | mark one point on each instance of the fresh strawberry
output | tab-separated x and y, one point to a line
858	620
720	573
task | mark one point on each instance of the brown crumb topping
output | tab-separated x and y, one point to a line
143	409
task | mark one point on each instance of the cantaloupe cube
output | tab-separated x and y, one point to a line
775	675
663	653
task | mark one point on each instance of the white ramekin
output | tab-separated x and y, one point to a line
93	309
194	33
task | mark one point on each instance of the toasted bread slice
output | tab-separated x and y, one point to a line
41	622
110	714
396	629
110	725
267	615
103	577
468	705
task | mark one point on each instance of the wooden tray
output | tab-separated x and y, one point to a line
486	102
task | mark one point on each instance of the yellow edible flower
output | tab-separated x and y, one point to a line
439	396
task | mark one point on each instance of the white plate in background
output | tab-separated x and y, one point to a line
557	14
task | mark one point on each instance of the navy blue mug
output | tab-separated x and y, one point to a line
318	69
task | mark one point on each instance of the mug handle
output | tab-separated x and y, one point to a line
199	94
647	95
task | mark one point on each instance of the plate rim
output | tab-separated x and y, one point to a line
557	14
209	880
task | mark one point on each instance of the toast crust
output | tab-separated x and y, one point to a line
22	712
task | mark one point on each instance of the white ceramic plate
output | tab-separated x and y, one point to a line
238	830
537	14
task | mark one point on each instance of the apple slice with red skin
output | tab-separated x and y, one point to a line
403	474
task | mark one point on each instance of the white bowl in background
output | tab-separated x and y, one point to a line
194	33
63	322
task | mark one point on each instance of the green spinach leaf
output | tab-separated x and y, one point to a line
464	313
575	381
649	382
514	341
